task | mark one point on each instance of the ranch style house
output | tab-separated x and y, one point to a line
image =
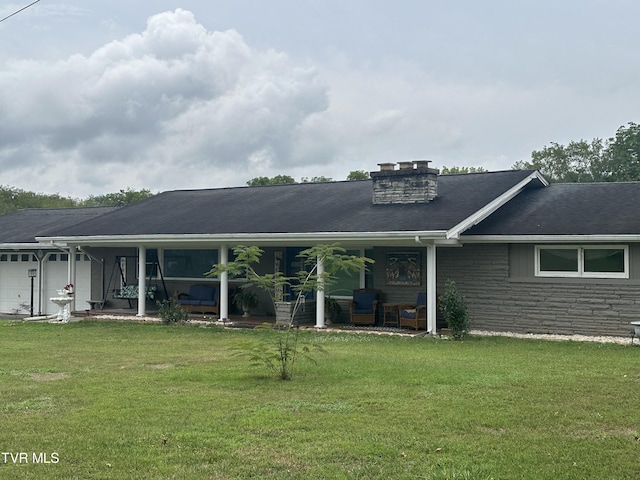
527	255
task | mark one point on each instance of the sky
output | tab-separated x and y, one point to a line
100	96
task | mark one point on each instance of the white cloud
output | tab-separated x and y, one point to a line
174	98
181	105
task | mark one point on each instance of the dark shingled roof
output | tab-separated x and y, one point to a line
23	226
568	209
298	208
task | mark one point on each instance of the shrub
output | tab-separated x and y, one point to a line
171	312
454	309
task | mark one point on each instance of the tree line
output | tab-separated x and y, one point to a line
287	180
12	199
616	159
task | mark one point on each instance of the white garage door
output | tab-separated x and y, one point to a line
15	285
15	290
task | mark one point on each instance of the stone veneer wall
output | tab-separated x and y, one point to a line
404	186
306	314
534	305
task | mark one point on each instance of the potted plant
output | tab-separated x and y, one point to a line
331	309
246	300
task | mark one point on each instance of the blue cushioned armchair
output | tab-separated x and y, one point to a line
363	306
415	315
201	298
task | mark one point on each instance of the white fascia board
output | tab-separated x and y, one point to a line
248	238
550	238
495	204
19	246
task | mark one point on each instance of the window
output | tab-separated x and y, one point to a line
347	282
188	263
604	260
151	263
598	261
558	260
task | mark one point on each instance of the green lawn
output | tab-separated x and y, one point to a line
118	400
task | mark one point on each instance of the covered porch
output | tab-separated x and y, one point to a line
401	273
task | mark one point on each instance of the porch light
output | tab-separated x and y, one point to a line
31	273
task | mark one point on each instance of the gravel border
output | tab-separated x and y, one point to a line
629	340
560	338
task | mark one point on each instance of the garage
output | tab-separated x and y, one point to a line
15	284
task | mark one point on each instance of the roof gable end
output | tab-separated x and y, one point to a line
534	179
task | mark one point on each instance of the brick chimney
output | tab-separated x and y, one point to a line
412	182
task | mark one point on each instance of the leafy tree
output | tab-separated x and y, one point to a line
119	199
613	160
622	158
277	180
281	353
576	162
358	175
457	170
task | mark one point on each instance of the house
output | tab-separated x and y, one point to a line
528	256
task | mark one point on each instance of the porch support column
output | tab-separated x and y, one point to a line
224	285
431	289
71	276
320	295
142	274
40	255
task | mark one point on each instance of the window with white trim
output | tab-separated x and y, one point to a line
588	261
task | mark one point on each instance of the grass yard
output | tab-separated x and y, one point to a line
118	400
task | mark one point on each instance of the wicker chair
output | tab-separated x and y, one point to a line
363	306
415	315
